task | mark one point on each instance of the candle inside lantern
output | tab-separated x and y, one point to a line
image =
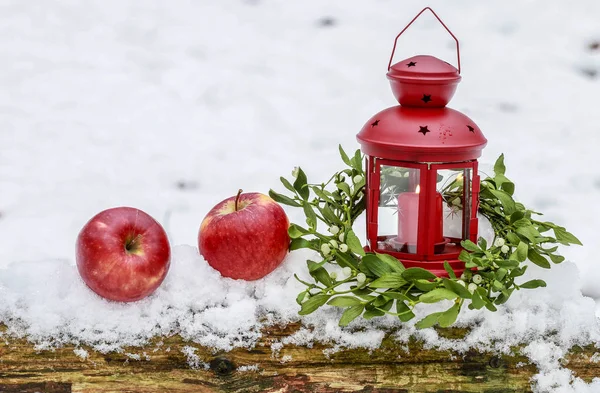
408	218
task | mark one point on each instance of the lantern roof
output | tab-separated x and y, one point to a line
424	69
422	135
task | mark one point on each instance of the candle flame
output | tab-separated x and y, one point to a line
418	189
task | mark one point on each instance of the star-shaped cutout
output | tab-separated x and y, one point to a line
426	98
411	64
423	130
375	123
471	128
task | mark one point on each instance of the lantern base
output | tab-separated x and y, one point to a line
446	251
411	248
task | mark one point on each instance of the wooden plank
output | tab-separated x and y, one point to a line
163	367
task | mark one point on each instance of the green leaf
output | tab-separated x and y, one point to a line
329	215
498	285
390	280
465	256
539	260
449	316
300	184
396	296
344	187
482	243
311	217
518	272
299	243
491	307
506	200
344	301
516	216
312	265
523	222
380	301
351	314
513	238
499	168
372	313
300	297
345	260
565	237
283	199
344	156
556	258
429	320
529	232
364	293
417	273
404	312
425	285
357	161
501	273
437	295
449	270
354	244
508	264
532	284
375	266
456	288
509	188
386	306
321	193
296	231
477	301
392	262
319	273
287	184
469	245
520	254
313	303
500	179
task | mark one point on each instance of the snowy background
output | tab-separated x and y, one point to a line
170	107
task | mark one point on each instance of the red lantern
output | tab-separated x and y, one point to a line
422	180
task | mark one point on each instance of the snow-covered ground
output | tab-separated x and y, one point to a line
172	106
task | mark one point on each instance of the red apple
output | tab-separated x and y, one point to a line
123	254
245	236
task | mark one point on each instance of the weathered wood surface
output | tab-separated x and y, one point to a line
294	369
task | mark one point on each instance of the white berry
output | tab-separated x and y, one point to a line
361	278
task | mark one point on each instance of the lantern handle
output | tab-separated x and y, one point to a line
411	22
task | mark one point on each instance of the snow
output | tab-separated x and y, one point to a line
172	107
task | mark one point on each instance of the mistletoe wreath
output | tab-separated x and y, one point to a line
373	284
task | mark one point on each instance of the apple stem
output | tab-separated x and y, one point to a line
133	243
237	198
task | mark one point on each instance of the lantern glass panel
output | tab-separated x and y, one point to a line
398	209
455	187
